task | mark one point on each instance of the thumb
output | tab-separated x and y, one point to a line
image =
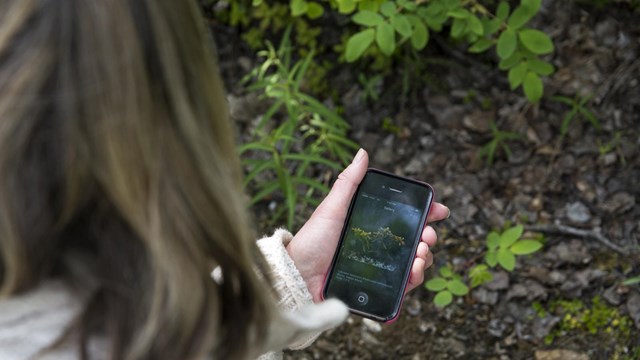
337	202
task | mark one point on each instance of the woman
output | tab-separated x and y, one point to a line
119	192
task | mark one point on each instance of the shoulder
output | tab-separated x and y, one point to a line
32	321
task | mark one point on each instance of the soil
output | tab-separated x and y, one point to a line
579	190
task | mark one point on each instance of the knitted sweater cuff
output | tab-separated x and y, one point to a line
289	284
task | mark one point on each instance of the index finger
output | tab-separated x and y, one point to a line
438	212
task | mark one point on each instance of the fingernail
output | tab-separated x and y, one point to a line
448	213
359	156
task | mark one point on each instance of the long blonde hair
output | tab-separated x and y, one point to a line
118	172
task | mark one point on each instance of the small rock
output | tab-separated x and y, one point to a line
573	252
609	159
530	289
560	354
545	276
517	291
618	203
371	325
542	326
446	115
384	154
578	212
612	296
245	63
414	166
485	296
557	277
519	312
418	163
413	307
427	142
581	279
326	345
500	281
537	203
244	108
478	121
455	347
367	338
633	307
427	327
587	191
496	328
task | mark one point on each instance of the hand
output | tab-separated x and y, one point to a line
312	248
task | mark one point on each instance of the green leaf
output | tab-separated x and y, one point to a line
520	16
459	13
510	62
506	44
506	259
533	87
387	9
475	25
311	158
443	299
632	281
564	100
436	284
493	240
533	5
386	38
401	24
478	269
536	41
516	75
420	35
479	275
457	287
458	28
525	247
510	236
265	191
358	43
566	121
491	26
346	6
446	271
492	258
367	18
503	10
311	183
254	146
298	7
540	67
589	116
315	10
481	45
257	170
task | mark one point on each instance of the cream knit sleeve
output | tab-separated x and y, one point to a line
288	282
293	293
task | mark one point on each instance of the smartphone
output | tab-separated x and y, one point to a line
371	266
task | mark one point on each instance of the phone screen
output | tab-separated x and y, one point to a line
378	243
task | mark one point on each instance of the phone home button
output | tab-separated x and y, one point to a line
362	298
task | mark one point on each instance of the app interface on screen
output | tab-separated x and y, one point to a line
377	247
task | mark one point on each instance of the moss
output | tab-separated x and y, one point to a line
597	319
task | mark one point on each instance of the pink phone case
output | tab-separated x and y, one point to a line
404	293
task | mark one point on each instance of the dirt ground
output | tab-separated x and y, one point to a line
580	192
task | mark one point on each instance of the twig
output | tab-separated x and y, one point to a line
568	230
